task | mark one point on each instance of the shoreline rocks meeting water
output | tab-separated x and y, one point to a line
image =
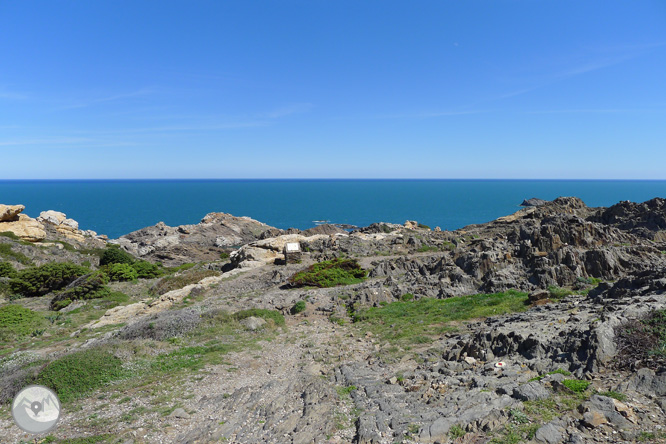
540	326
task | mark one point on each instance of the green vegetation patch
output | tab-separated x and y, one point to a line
558	371
613	394
87	287
427	248
298	307
79	373
268	315
17	321
113	254
7	270
7	252
559	292
97	439
576	385
412	321
37	281
146	270
340	271
122	272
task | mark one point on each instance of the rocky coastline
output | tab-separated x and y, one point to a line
329	375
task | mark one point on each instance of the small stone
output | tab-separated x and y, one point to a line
253	323
593	419
531	391
470	360
179	413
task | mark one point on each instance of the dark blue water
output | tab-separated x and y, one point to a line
117	207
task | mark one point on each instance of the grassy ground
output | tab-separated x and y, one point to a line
418	321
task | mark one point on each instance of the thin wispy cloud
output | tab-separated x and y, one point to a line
295	108
110	98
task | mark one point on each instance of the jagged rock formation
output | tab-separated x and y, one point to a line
556	244
216	233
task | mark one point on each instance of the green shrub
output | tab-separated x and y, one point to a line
407	297
576	385
146	270
122	272
330	274
298	307
267	315
7	270
115	255
76	374
36	281
17	321
86	287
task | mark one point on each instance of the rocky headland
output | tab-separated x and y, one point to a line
547	325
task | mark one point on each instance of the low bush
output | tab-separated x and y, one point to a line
79	373
113	254
298	307
330	274
122	272
89	286
7	270
164	325
17	321
146	270
37	281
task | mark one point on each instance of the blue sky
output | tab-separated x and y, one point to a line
333	89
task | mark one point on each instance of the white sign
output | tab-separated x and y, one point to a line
293	246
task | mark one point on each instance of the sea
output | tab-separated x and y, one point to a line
117	207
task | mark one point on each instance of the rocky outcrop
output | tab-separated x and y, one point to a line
642	219
10	213
66	228
555	244
50	225
216	233
533	202
12	220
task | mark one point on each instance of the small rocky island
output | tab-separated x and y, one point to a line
547	325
